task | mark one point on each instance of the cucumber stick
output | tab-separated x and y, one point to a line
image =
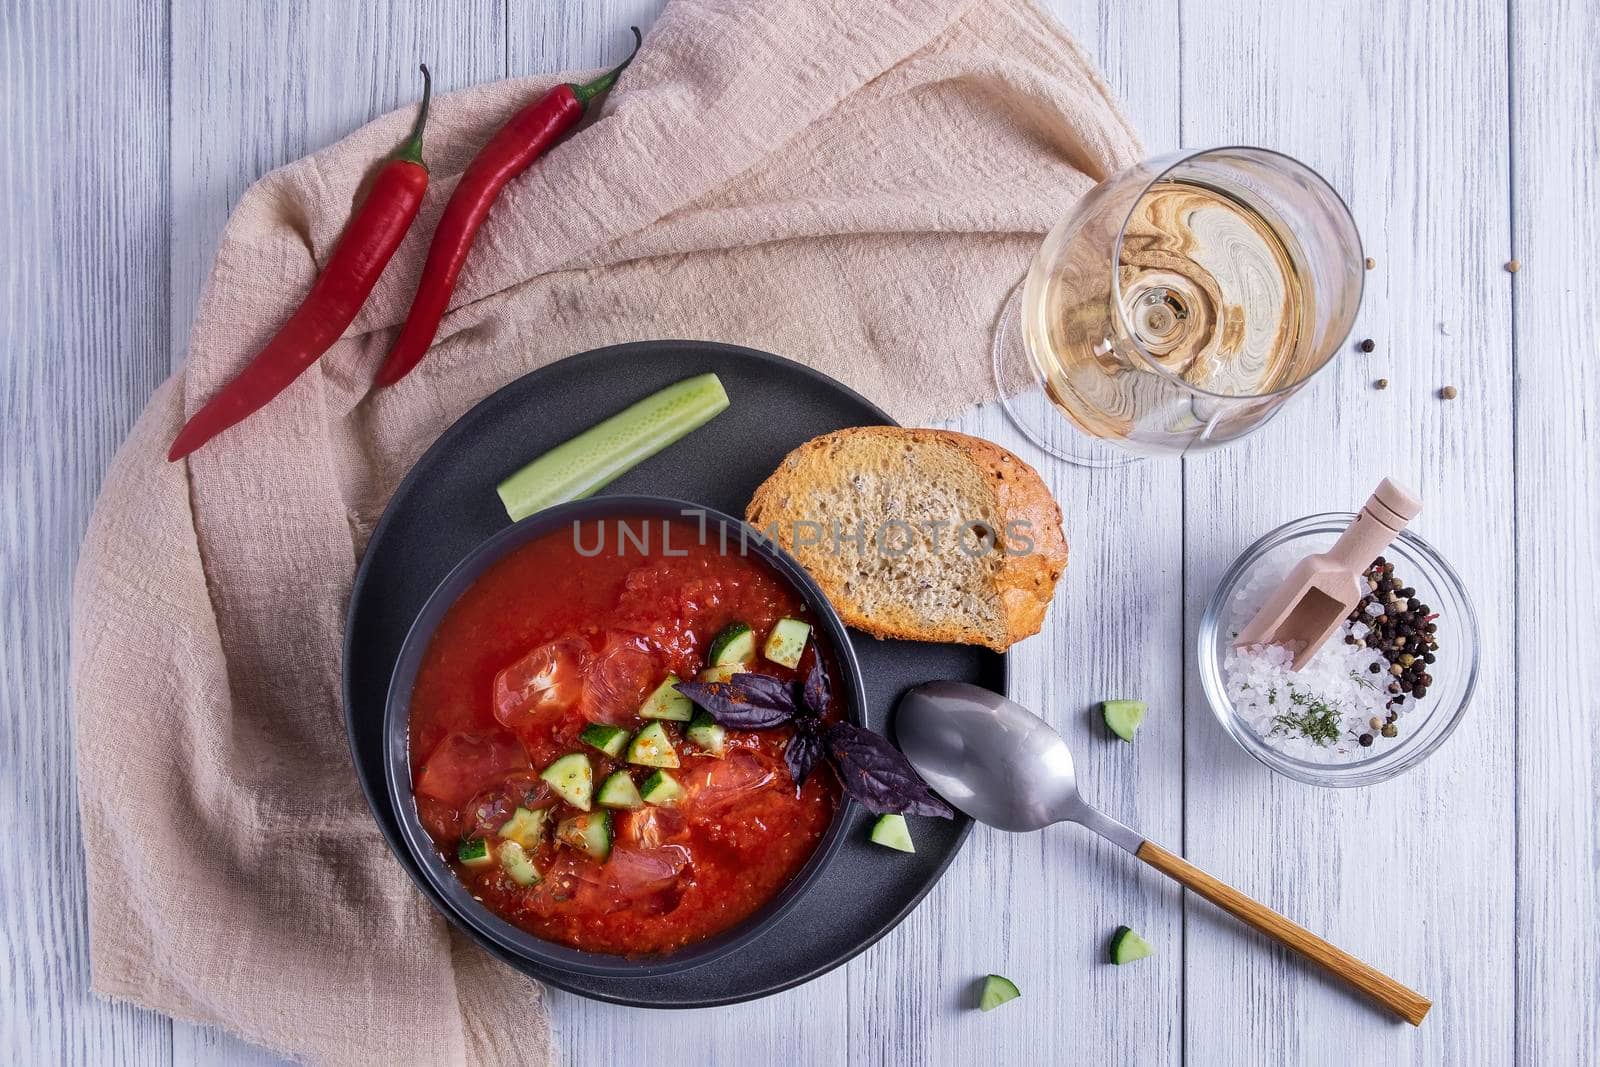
588	462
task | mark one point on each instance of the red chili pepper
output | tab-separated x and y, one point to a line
509	152
353	269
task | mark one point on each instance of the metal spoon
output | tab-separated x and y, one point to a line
1003	765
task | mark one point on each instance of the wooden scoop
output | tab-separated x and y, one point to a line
1322	590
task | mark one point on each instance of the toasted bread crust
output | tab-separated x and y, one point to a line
1024	583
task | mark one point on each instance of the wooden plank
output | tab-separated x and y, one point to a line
84	329
1402	108
1555	111
1040	908
263	86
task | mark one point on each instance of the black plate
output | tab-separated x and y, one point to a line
447	505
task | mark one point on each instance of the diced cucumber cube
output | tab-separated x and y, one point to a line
891	831
652	747
1127	946
474	852
723	672
525	827
997	989
572	777
589	833
708	735
517	864
666	703
608	739
735	644
618	791
787	642
1123	716
661	789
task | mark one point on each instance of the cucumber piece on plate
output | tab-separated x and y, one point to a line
735	644
787	642
661	789
1127	946
608	739
891	831
618	791
1123	716
708	735
474	852
525	827
997	989
589	833
517	864
723	672
666	703
572	777
652	747
583	465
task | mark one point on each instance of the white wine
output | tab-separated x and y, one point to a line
1184	344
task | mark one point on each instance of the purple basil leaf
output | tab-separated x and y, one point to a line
802	753
876	774
747	702
815	694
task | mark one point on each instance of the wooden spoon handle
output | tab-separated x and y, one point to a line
1406	1003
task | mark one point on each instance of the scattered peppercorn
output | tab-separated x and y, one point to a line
1448	393
1514	266
1388	729
1381	383
1365	740
1368	345
1371	263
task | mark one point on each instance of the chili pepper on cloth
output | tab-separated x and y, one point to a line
336	296
509	152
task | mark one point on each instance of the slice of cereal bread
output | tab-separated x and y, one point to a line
926	535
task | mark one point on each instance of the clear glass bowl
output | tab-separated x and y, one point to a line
1428	722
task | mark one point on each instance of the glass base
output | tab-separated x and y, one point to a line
1029	407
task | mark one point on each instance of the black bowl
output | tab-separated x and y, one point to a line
461	908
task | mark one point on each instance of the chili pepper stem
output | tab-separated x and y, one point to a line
411	151
587	91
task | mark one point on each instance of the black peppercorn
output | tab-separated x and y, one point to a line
1365	740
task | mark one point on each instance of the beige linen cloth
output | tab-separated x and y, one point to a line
852	184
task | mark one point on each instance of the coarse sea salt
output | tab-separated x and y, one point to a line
1266	694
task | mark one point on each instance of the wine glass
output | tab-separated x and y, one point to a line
1178	306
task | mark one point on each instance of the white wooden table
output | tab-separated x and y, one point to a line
1463	133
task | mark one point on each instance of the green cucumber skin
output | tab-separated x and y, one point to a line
1127	946
661	789
587	463
735	644
608	739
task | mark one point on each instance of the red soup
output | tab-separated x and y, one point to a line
572	790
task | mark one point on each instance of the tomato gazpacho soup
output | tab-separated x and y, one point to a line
569	786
